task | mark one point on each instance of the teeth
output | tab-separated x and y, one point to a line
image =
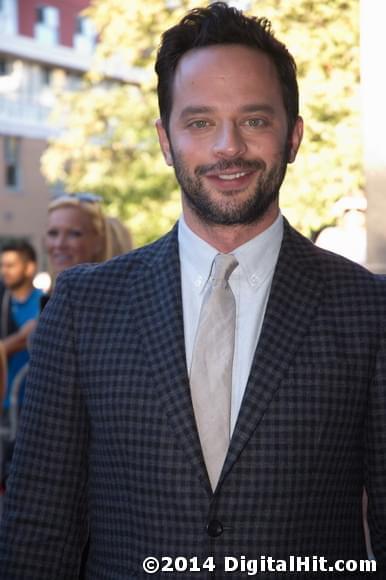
232	176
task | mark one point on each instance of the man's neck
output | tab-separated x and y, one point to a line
227	238
22	292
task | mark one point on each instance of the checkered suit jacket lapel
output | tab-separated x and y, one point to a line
163	334
295	293
294	297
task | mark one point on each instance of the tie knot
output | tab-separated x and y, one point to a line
224	264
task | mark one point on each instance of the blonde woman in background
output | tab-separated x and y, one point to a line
78	231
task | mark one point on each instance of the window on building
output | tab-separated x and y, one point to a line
3	66
46	76
12	162
74	81
47	25
85	34
8	16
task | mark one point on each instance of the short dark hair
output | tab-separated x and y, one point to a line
222	24
22	247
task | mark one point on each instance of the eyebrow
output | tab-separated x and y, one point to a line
257	108
252	108
187	111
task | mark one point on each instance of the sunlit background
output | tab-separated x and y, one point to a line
77	111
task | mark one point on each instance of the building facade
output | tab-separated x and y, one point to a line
45	47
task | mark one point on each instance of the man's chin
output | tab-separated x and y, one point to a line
231	216
15	286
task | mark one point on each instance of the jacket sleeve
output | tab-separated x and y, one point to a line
44	526
375	460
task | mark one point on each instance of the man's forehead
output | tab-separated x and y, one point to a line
11	256
230	76
222	60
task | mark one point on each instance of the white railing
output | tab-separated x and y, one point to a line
22	109
24	118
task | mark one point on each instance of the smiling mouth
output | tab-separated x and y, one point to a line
230	176
236	181
230	169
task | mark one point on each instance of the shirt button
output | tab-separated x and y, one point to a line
254	279
214	528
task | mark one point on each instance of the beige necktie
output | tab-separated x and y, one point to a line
211	372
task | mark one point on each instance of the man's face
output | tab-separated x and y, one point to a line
15	270
228	135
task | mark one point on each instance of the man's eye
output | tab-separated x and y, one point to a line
199	124
256	123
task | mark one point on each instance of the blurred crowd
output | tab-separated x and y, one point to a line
78	231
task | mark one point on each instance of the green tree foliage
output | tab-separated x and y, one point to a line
324	39
109	145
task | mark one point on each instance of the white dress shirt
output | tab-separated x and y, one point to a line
251	284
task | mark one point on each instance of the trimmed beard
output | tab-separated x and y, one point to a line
18	284
249	211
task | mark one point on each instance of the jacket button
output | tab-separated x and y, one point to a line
214	528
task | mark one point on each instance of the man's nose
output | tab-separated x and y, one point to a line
229	142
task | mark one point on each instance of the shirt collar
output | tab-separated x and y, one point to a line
257	258
196	254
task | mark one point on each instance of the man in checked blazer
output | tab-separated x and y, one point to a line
108	452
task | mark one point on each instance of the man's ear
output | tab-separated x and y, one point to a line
30	269
164	142
295	139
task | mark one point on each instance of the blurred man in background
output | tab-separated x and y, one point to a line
19	307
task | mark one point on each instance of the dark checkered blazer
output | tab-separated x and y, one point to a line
108	449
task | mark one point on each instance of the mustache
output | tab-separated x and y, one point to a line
223	165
